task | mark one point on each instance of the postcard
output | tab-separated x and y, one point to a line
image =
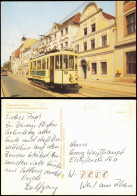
72	147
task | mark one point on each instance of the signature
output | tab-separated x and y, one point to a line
41	187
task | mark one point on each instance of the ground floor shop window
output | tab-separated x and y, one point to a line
103	68
94	68
131	62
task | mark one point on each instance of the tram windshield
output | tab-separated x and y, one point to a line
65	62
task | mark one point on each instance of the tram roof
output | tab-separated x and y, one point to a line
55	53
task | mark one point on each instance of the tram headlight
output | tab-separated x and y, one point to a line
71	79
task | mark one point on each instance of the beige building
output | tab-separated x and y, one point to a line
125	53
94	43
15	61
25	54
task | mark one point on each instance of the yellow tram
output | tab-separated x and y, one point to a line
57	69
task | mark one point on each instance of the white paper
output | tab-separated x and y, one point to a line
57	147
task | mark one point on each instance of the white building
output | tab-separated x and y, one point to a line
61	35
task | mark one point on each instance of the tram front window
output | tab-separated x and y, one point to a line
57	62
65	62
71	62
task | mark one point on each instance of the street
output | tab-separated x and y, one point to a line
19	86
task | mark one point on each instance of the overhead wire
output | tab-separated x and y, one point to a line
69	15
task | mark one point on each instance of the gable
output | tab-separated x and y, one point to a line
89	10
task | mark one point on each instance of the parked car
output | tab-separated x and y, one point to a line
4	73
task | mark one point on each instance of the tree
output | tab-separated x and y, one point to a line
7	66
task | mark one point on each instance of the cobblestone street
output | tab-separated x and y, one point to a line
19	86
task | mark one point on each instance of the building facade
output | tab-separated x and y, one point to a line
61	35
25	54
94	43
15	66
125	50
14	60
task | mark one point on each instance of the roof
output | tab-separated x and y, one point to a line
17	52
29	42
75	19
58	25
108	16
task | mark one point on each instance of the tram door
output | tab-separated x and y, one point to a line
52	69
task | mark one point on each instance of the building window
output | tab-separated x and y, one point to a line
131	23
66	44
104	41
62	33
104	68
85	31
61	46
94	68
85	46
93	44
131	62
93	28
66	29
77	48
55	36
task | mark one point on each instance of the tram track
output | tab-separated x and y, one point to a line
57	93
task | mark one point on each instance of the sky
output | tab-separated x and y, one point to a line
34	18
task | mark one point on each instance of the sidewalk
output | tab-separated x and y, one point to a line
113	86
